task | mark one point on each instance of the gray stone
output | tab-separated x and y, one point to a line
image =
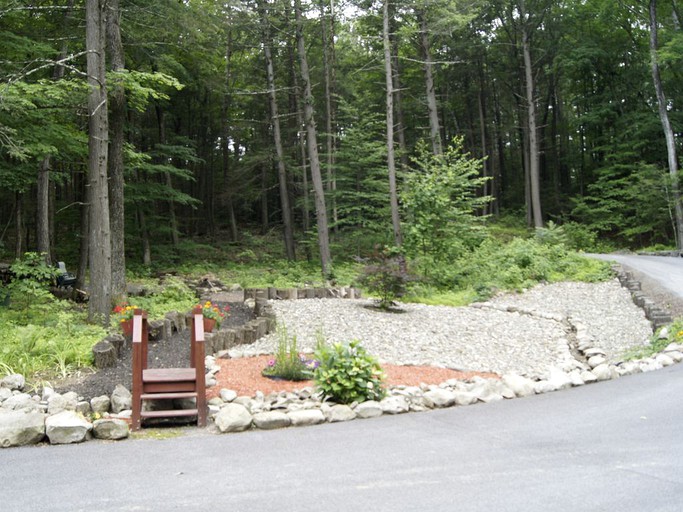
47	393
83	407
394	405
67	427
676	355
13	381
521	386
596	361
20	401
368	409
588	377
664	359
121	399
5	393
595	351
544	386
575	378
558	379
233	417
306	417
340	412
603	372
216	401
270	420
110	428
100	404
674	347
439	398
18	428
58	403
464	398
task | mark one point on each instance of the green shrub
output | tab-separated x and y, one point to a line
347	373
29	289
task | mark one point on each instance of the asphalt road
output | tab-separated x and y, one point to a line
614	446
667	271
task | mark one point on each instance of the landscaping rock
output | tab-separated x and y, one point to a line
58	403
464	398
439	398
270	420
13	381
559	380
67	427
588	377
394	405
233	417
306	417
664	359
121	399
603	372
340	412
111	429
100	404
21	401
19	428
368	409
5	393
521	386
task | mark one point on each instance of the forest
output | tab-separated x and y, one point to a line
138	135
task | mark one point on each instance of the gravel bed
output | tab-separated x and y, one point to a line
479	337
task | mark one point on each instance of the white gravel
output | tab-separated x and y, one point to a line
482	337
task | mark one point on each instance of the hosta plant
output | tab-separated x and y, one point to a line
348	373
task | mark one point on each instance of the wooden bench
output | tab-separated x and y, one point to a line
168	383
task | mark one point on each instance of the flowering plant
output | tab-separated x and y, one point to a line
288	363
123	312
213	312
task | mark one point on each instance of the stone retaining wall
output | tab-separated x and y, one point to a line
656	315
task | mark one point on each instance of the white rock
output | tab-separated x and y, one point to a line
439	398
121	399
674	347
521	386
394	405
5	393
594	351
588	377
596	361
675	355
464	398
227	395
664	359
544	386
306	417
271	420
110	428
603	372
368	409
575	378
233	418
18	428
21	401
558	379
13	381
67	427
47	393
340	412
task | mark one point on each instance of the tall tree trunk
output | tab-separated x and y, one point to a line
225	130
328	50
43	210
99	304
84	252
19	221
666	125
275	122
398	96
172	218
313	157
391	163
117	120
434	125
481	103
534	153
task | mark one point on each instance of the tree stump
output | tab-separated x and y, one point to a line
105	354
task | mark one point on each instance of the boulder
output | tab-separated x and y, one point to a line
664	359
270	420
464	398
368	409
604	372
21	401
5	393
18	428
558	379
100	404
233	418
110	428
13	381
306	417
58	403
227	395
596	360
394	405
520	386
121	399
439	398
340	412
67	427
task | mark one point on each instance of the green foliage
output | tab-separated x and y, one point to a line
287	363
29	289
385	276
440	201
172	295
347	373
672	333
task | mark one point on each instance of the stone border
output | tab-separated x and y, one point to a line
340	292
657	316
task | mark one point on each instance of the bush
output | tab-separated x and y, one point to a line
385	276
347	373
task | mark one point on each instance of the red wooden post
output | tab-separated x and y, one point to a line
139	363
197	354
